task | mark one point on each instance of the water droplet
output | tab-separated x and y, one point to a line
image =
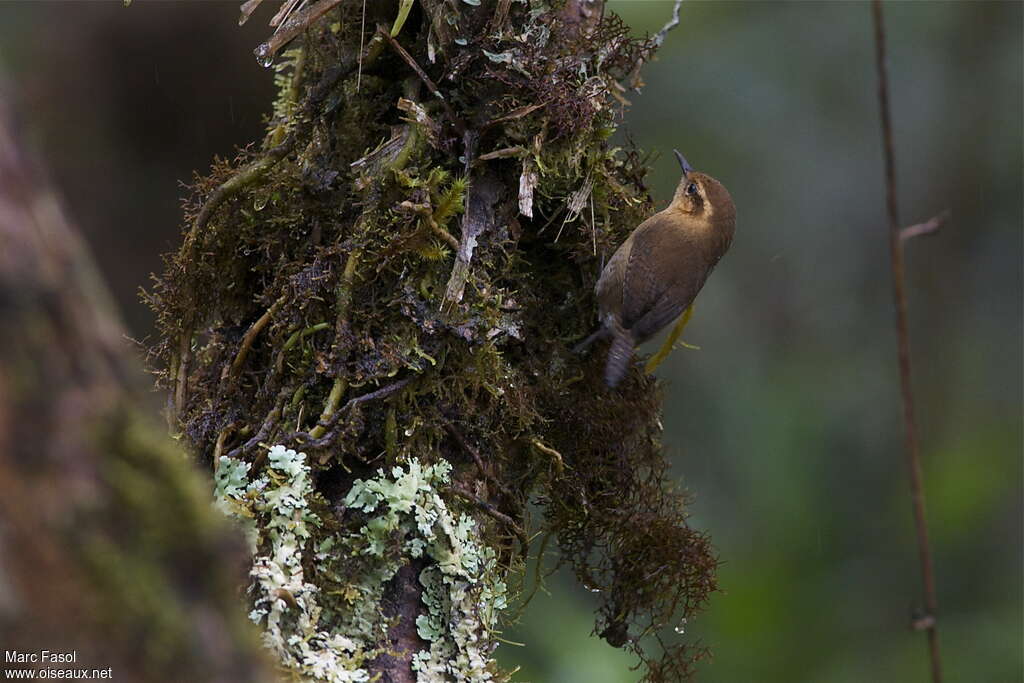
263	55
260	201
681	628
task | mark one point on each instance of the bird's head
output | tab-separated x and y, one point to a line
705	200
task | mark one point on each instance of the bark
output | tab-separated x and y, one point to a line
109	546
402	603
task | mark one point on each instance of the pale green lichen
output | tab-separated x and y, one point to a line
462	591
331	632
288	606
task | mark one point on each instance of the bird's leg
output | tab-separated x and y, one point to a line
666	348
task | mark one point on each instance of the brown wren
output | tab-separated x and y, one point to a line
655	275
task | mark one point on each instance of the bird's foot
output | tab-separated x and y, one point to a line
670	342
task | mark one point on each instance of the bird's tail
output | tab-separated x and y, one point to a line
619	355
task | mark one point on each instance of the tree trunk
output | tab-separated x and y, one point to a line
370	325
109	547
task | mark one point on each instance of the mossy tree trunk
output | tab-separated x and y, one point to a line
369	328
109	547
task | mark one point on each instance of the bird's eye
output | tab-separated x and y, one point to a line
691	189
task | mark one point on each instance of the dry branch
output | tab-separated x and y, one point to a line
912	448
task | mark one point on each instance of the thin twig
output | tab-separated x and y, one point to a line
593	224
929	227
516	113
330	406
246	176
442	233
269	423
431	86
404	54
284	13
250	337
311	441
218	447
555	456
903	336
473	453
425	214
247	9
383	392
634	77
538	575
503	153
659	37
295	25
490	510
293	340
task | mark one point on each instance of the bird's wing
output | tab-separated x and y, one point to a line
666	270
665	310
609	285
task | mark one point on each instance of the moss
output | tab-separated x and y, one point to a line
391	223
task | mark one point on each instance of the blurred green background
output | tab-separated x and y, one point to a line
785	426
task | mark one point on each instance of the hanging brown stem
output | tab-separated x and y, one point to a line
903	336
250	336
473	453
490	510
269	424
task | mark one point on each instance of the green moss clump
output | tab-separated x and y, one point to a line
398	277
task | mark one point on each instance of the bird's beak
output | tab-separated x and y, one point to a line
683	163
